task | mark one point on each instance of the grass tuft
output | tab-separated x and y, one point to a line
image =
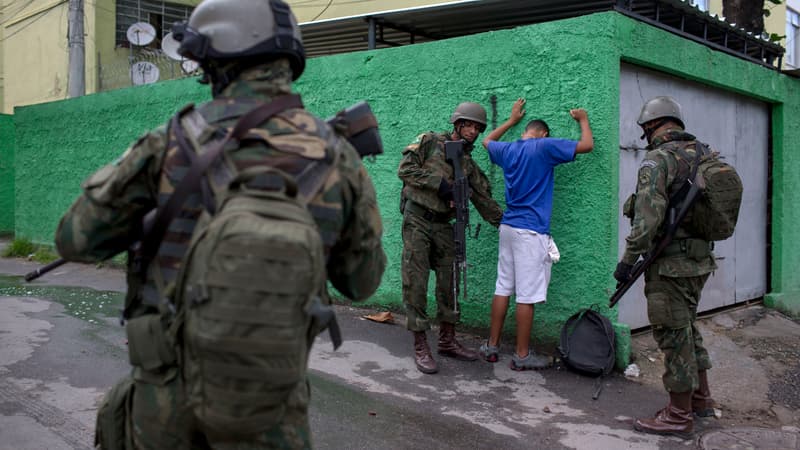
24	248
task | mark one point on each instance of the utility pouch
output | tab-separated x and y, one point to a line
628	208
112	431
697	249
149	346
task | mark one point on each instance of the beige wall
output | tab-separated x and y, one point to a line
309	11
34	53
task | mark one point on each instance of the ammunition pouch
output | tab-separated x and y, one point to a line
150	346
696	249
628	208
112	430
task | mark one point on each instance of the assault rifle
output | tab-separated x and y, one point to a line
676	214
356	123
454	154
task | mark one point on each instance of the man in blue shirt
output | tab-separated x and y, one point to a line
526	250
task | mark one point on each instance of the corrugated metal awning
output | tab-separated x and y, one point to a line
460	18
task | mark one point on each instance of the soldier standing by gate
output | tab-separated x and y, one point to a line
427	205
250	52
674	282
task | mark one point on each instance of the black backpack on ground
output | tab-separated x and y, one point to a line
588	345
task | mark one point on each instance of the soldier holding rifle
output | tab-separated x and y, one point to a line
428	241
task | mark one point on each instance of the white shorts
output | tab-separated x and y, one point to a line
523	264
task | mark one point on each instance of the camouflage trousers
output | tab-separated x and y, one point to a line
427	246
160	418
672	310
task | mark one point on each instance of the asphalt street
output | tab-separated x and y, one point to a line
61	348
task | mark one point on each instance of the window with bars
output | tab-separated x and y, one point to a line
161	15
792	55
701	4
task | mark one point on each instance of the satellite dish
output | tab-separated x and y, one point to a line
141	33
144	72
170	47
189	66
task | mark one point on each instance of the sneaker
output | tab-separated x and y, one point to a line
530	362
490	352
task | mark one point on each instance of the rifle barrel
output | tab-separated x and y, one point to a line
30	276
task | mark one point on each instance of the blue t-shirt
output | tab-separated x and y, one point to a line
528	168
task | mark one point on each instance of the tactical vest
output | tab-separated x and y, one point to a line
163	270
435	163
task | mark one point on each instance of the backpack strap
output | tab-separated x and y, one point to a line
201	163
677	198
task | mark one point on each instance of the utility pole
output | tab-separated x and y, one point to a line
76	85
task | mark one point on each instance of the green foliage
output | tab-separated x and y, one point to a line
774	37
44	255
24	248
21	247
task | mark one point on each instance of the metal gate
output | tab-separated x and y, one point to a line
737	127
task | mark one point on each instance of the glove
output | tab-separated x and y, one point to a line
445	191
623	273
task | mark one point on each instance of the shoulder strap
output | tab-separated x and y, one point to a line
700	150
200	164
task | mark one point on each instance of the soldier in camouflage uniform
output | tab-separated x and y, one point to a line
427	204
673	283
245	69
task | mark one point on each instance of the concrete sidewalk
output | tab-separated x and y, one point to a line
62	347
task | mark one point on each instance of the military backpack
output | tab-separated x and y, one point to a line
249	295
714	214
252	281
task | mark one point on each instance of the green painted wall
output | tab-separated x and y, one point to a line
556	66
60	143
414	89
7	140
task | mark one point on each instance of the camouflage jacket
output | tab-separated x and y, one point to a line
424	166
657	177
104	220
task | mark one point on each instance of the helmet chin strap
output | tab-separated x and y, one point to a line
647	132
219	77
457	129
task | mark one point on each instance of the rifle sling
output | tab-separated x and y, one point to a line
189	183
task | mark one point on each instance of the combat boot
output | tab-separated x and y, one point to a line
449	346
675	419
422	354
702	403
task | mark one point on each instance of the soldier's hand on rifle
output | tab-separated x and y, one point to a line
445	191
623	273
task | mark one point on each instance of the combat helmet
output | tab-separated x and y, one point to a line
661	107
224	30
469	111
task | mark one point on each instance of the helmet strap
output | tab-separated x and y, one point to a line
457	129
650	127
218	77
